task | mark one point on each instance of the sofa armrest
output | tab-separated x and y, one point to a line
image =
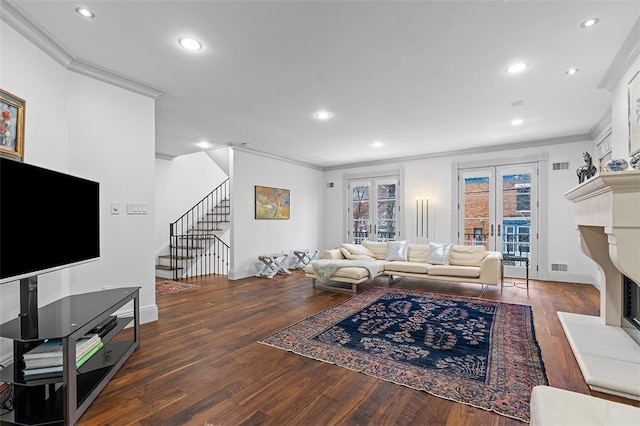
490	271
333	254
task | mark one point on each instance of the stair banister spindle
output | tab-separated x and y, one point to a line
194	248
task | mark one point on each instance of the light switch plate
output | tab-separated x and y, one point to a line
137	208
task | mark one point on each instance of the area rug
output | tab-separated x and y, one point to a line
473	351
170	287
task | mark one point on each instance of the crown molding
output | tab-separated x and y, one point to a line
17	19
469	151
628	53
247	149
602	125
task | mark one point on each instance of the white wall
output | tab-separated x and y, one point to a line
84	127
252	237
180	184
432	177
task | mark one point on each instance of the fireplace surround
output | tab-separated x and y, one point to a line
631	304
606	213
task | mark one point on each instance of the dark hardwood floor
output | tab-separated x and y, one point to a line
200	363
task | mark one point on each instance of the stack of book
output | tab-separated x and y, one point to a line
45	360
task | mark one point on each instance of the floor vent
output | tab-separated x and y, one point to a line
559	267
561	166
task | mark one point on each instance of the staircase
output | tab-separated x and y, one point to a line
195	247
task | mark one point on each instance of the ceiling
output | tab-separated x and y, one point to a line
419	77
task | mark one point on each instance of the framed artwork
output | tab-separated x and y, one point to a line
12	110
272	203
634	115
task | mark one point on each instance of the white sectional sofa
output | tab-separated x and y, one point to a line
356	263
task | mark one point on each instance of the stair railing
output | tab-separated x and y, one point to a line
194	247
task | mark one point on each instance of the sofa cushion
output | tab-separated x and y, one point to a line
396	250
351	272
378	248
355	250
348	255
467	255
439	253
411	267
454	271
417	252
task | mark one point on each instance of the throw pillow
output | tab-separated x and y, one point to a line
439	253
348	255
396	250
356	249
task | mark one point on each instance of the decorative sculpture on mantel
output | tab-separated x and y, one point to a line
588	170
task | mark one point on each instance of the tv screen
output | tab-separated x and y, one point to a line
48	220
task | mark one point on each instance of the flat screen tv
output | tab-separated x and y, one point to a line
48	220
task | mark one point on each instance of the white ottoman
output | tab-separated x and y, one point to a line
558	407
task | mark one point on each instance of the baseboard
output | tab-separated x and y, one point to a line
565	277
148	314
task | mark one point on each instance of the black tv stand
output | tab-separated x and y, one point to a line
63	399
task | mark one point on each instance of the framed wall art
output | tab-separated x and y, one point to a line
12	110
272	203
634	115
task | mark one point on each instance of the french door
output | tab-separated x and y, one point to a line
373	209
498	208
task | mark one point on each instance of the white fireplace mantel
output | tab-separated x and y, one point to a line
607	215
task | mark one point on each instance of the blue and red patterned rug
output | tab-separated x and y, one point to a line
473	351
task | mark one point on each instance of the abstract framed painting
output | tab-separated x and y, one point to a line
272	203
12	110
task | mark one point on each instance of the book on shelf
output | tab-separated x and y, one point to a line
43	373
53	347
56	370
49	361
89	354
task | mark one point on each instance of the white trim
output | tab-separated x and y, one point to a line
17	19
400	201
628	53
148	314
469	151
507	161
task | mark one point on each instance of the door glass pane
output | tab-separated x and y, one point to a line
476	211
516	213
360	212
386	225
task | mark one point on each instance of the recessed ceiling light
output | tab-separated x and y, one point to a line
323	115
589	22
572	71
83	11
204	144
190	43
517	121
512	69
376	144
